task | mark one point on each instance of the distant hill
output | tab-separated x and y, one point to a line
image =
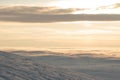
16	67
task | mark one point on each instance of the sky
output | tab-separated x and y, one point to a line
59	24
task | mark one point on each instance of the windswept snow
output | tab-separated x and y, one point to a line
16	67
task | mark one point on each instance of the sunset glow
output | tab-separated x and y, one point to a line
60	23
82	3
88	6
59	39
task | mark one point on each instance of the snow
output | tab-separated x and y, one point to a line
16	67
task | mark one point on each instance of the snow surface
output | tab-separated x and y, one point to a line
16	67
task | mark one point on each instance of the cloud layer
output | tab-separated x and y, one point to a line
113	6
50	14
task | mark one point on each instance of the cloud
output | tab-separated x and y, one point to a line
117	5
113	6
50	14
35	10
